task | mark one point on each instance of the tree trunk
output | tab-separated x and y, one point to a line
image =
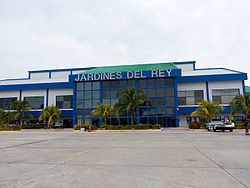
247	130
131	118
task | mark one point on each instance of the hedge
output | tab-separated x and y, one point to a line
10	128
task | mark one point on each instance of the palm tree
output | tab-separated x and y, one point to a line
241	104
129	100
103	111
6	117
50	114
207	110
20	110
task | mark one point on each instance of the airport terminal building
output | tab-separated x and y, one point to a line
173	91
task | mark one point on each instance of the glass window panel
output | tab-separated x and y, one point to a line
131	83
190	101
106	101
170	92
123	83
87	94
95	103
35	102
170	111
106	85
79	86
113	101
190	93
114	94
87	103
151	92
79	104
106	93
96	94
161	92
142	83
225	99
152	101
96	85
181	93
79	94
87	85
161	101
170	101
114	84
198	93
152	111
234	92
216	92
169	82
198	99
217	99
162	111
160	82
151	83
182	100
59	98
66	104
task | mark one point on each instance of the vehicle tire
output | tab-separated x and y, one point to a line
208	129
231	130
223	130
214	130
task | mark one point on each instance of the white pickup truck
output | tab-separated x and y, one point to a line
218	125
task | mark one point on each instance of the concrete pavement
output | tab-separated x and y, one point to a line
170	158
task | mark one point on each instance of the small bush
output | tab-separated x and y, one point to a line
195	125
33	126
143	126
156	126
10	128
239	126
77	127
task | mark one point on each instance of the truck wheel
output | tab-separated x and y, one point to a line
214	130
231	130
223	130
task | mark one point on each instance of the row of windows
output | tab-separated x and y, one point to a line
151	101
37	102
193	97
224	96
190	97
123	84
106	94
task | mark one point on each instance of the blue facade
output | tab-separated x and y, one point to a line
161	107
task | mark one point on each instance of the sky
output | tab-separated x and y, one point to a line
52	34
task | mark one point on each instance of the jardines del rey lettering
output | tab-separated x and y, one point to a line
124	75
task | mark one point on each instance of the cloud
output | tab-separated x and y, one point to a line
55	34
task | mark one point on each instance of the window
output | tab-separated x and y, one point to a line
191	97
224	96
5	102
35	102
64	102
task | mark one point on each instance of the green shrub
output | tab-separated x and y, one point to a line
143	126
33	126
195	125
10	128
77	127
239	126
156	126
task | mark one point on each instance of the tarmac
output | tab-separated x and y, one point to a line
128	159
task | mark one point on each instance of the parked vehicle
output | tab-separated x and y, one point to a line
218	125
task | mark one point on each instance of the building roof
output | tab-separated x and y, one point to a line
247	88
126	68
